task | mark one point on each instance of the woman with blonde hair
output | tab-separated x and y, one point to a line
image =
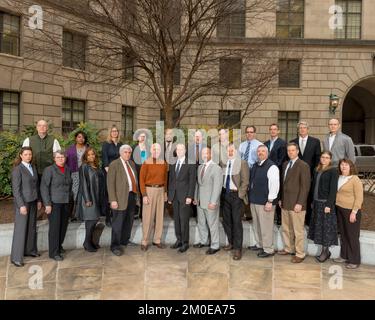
323	223
349	200
110	152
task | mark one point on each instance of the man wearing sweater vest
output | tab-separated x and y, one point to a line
263	190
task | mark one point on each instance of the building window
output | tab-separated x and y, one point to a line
73	114
352	19
233	25
231	72
289	73
176	115
128	116
9	34
9	110
176	73
288	121
230	119
74	50
290	18
129	62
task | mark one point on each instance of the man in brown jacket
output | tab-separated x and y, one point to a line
236	181
295	186
123	191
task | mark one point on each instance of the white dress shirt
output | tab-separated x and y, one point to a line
273	176
331	139
287	167
232	186
304	141
28	167
180	162
127	174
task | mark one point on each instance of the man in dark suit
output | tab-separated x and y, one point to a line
277	154
181	188
295	187
309	151
123	194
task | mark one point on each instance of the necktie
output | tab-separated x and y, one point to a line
227	182
203	170
271	144
287	169
247	152
303	146
197	153
31	169
132	179
178	167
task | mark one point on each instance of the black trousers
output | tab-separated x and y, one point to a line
24	235
232	221
349	235
58	224
90	228
181	217
122	224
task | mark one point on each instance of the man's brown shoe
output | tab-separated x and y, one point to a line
144	247
237	255
159	245
283	252
228	247
296	259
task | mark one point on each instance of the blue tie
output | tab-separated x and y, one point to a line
287	170
30	169
227	183
246	157
178	167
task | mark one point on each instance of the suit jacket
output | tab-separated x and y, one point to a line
311	154
278	153
24	185
296	186
56	187
208	190
182	186
240	177
117	183
342	147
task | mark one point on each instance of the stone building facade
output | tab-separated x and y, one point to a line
321	61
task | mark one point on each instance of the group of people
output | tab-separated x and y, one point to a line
295	181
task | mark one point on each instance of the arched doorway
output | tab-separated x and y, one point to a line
358	112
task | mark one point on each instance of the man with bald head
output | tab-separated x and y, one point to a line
43	146
340	145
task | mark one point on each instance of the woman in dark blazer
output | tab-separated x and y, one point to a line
26	201
110	152
89	200
323	224
56	189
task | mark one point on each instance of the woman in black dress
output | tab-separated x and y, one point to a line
110	152
323	226
89	199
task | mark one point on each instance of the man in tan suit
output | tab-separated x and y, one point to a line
295	186
123	192
236	181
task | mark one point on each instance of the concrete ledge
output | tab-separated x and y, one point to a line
76	232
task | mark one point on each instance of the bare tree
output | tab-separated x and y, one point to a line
170	50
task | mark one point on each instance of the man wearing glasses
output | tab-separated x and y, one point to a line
248	148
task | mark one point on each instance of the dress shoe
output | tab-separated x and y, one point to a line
90	249
264	254
283	252
159	245
62	250
296	259
228	247
323	257
212	251
117	252
183	248
18	264
254	248
34	255
237	255
58	258
176	245
351	266
144	247
339	260
198	245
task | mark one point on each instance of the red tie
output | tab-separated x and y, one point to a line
203	170
131	175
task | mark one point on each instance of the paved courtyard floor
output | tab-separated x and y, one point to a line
167	274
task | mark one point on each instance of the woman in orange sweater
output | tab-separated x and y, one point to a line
349	201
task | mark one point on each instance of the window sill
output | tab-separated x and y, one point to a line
289	88
75	70
7	55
